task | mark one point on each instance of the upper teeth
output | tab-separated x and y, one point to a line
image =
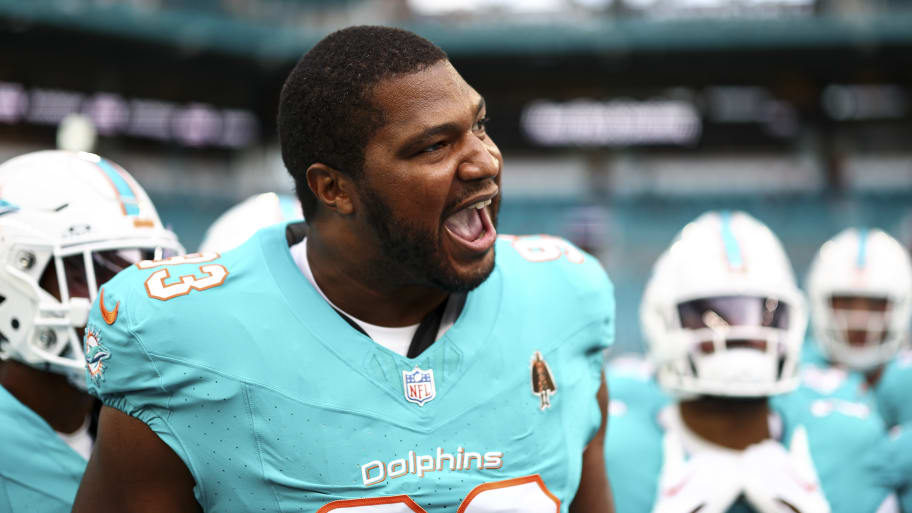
481	204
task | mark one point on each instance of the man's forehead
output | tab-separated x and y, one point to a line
425	96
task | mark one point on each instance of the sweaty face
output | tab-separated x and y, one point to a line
430	190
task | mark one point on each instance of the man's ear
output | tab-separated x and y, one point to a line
332	188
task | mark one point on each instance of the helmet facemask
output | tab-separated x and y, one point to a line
60	283
734	346
721	313
69	221
862	331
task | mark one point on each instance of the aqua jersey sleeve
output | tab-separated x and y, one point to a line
133	328
117	363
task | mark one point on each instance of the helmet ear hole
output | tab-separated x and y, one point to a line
15	323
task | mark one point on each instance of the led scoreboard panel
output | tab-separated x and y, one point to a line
709	116
135	93
689	104
192	124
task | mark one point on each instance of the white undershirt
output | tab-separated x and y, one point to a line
79	440
398	339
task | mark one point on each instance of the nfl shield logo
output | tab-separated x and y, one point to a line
419	385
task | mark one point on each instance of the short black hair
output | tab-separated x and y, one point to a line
325	110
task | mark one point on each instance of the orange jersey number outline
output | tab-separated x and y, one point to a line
494	493
213	275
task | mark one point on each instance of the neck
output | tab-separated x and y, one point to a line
50	395
362	292
872	377
734	423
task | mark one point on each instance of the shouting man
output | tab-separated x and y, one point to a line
377	355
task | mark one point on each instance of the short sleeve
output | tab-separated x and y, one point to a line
118	369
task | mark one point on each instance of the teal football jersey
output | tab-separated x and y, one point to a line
275	403
39	472
892	463
819	376
892	391
889	396
838	435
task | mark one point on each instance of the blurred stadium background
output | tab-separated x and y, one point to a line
620	120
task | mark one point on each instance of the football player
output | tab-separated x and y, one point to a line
68	222
397	356
241	221
714	430
860	291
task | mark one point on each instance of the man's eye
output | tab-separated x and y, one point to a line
434	147
481	125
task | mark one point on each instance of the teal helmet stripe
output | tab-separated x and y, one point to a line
127	197
862	258
732	250
7	207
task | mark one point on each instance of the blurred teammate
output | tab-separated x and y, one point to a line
860	290
388	361
724	322
68	222
241	221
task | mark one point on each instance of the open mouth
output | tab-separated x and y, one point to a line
472	227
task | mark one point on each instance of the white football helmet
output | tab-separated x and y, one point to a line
69	221
241	221
860	263
721	313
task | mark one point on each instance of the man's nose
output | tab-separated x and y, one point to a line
480	162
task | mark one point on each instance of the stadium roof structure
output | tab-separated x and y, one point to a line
204	25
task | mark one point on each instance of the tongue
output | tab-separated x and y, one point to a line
466	224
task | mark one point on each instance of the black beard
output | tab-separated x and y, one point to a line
412	255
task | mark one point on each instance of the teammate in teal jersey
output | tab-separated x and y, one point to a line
715	429
860	290
68	222
390	355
